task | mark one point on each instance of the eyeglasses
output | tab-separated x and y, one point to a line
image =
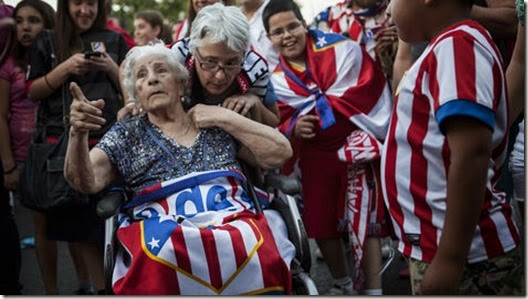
213	67
292	28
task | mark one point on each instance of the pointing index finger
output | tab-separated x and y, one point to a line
77	93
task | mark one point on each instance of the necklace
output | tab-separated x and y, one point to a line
184	133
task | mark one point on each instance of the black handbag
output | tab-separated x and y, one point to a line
42	183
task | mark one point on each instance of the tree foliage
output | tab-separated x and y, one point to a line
125	10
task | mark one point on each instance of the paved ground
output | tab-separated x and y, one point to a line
30	275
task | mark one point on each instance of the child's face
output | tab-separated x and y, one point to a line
406	15
29	23
144	32
288	35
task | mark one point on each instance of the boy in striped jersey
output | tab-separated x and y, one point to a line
443	155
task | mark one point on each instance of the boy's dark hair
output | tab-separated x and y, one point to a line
277	6
153	17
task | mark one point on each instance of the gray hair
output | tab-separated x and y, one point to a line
139	52
220	23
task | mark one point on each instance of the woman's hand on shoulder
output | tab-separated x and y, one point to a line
130	109
207	116
241	104
85	116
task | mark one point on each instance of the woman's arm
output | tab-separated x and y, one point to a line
269	148
6	153
86	171
46	85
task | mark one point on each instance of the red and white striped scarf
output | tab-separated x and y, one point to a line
204	238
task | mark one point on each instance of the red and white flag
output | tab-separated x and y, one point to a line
202	239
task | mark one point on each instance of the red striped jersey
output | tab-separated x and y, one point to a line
459	73
360	24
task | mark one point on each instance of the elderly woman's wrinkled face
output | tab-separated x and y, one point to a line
217	67
156	86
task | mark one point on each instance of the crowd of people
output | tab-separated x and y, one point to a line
400	120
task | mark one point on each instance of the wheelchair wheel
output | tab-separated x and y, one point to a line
108	269
302	284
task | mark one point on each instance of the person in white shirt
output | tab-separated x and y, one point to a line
252	9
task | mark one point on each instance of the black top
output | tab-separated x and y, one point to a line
95	84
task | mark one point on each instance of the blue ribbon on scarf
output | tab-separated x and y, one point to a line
322	106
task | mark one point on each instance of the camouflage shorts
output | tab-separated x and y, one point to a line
502	275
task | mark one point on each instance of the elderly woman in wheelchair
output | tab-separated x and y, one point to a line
190	227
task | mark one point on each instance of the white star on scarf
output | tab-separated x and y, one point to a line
321	41
154	243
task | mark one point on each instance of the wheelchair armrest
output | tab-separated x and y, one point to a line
287	185
110	203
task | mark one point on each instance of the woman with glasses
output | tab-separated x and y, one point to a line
223	69
334	105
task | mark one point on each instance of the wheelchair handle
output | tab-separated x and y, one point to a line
110	203
287	185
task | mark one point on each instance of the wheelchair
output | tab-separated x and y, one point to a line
284	188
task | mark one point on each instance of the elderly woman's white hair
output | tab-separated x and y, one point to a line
220	23
139	52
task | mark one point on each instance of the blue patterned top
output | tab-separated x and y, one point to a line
520	10
144	156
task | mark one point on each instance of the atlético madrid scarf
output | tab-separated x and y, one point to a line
199	235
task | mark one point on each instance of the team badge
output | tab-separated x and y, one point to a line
98	46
